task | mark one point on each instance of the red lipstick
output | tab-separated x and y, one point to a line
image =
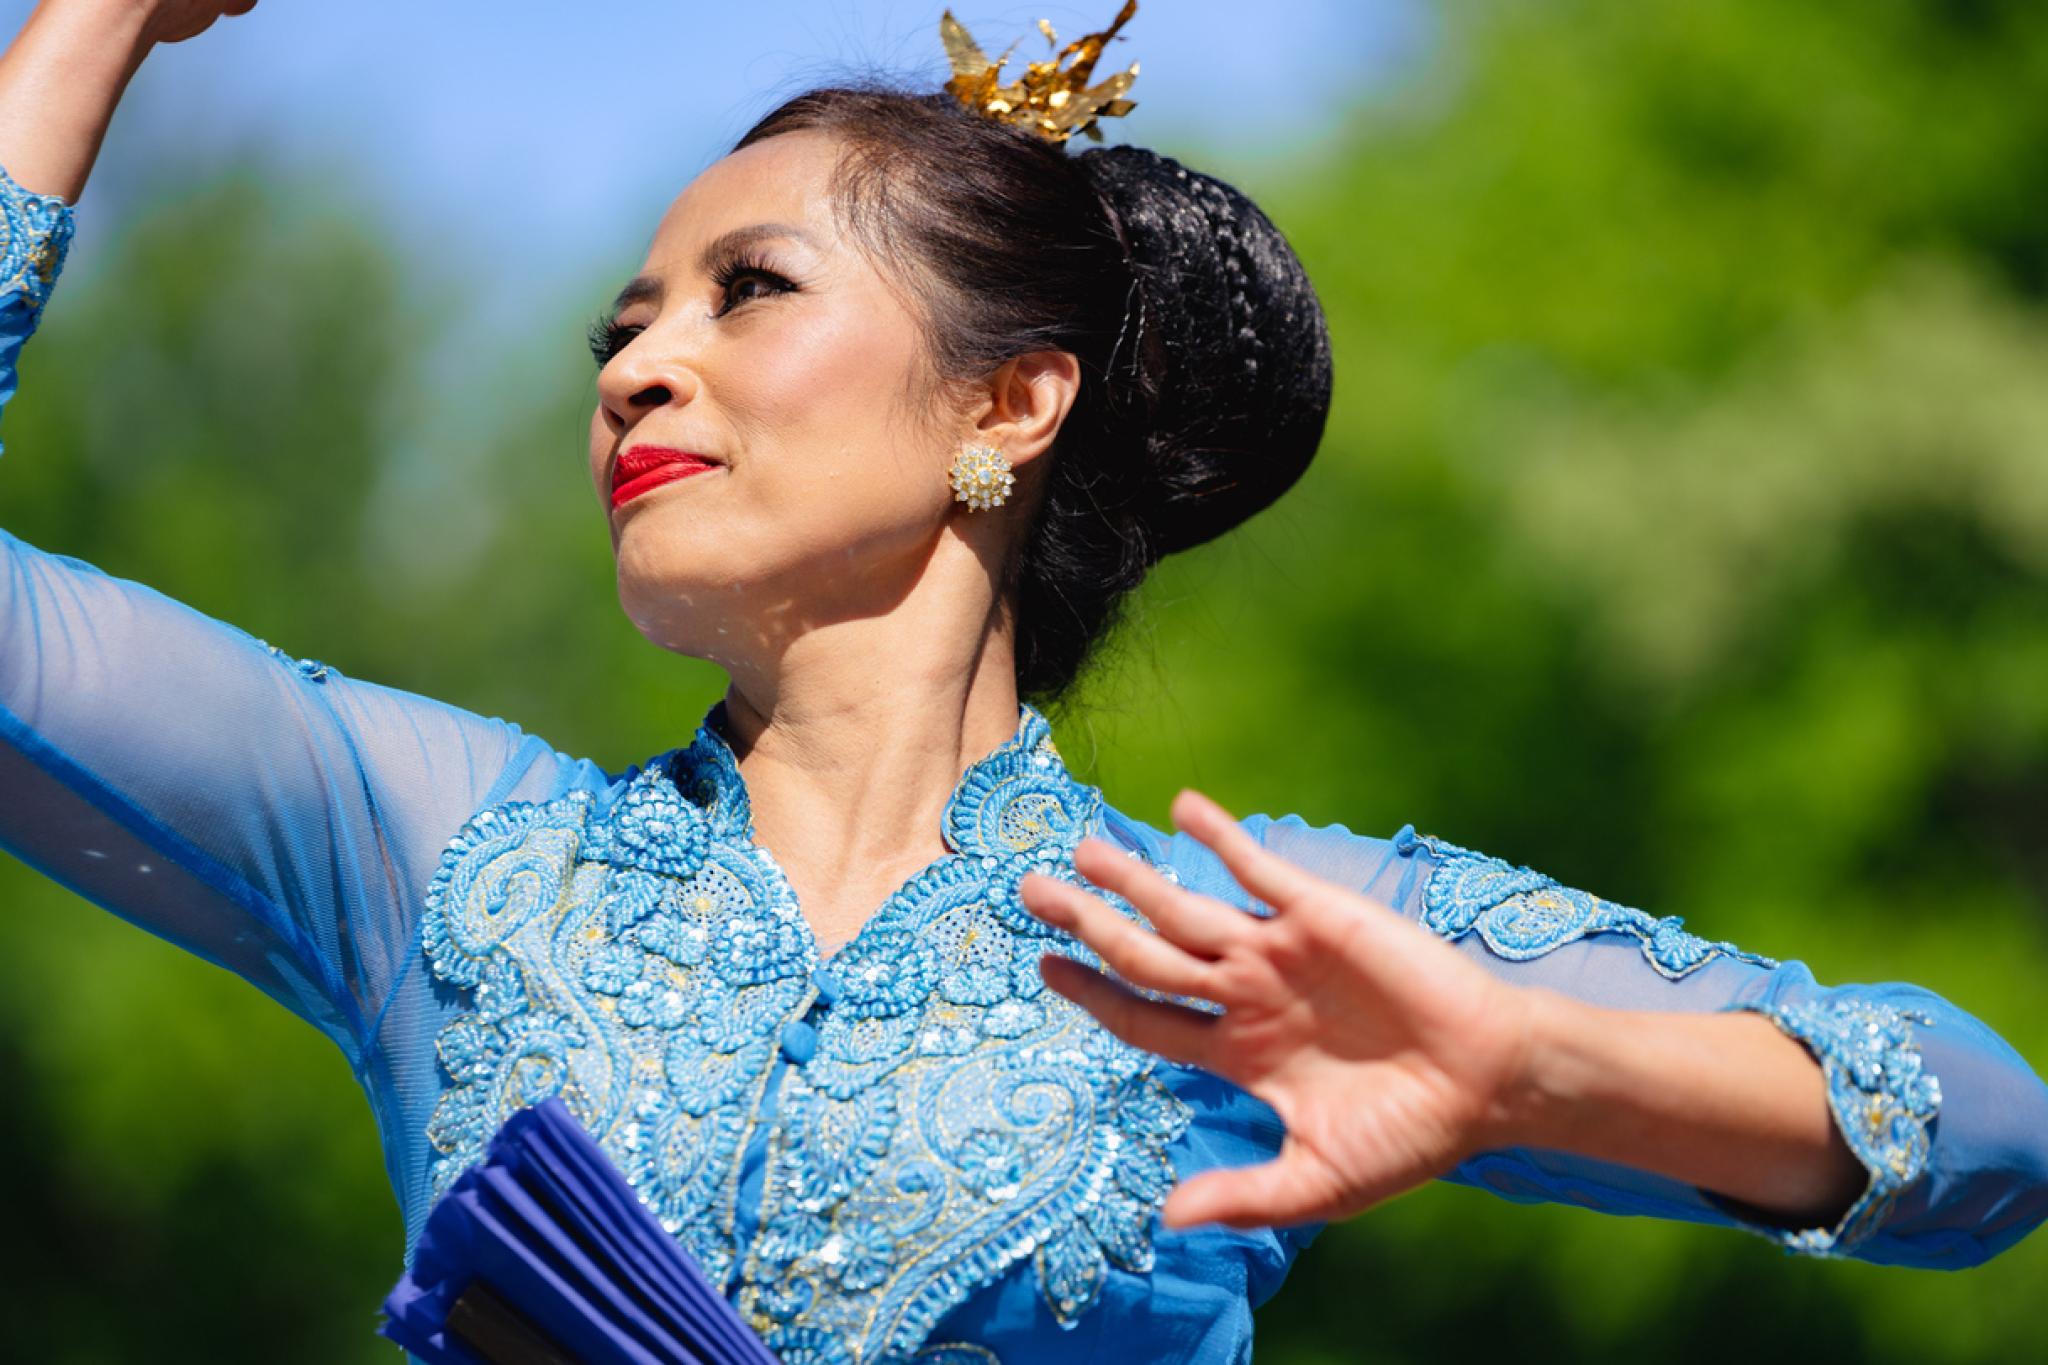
647	467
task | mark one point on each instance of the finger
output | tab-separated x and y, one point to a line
1332	911
1273	1194
1289	1189
1133	952
1200	924
1258	870
1175	1032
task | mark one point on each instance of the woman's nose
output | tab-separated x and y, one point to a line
638	380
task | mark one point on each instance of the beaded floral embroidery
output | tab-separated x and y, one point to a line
943	1117
1882	1096
1520	914
35	235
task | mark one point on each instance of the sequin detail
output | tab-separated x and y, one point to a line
312	670
942	1118
1883	1099
35	237
1520	914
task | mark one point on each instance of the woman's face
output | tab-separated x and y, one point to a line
762	342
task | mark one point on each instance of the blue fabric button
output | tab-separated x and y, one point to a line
827	984
799	1041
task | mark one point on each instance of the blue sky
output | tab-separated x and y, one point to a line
524	146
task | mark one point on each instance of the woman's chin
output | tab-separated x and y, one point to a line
680	617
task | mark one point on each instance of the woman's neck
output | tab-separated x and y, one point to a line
854	741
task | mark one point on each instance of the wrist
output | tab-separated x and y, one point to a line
1724	1102
113	32
1544	1095
91	41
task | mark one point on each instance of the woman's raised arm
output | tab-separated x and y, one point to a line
64	73
266	813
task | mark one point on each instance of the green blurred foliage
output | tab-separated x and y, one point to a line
1681	529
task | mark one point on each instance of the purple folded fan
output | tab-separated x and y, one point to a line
542	1254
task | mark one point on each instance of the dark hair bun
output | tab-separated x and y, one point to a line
1204	358
1225	341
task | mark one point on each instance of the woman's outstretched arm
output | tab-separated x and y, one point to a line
264	812
1559	1047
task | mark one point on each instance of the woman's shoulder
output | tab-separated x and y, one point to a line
1367	862
540	778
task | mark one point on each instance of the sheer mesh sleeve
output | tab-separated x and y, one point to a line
1949	1121
265	813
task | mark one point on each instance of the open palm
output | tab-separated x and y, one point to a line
1389	1056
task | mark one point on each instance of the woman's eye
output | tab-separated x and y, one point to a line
607	338
735	284
733	292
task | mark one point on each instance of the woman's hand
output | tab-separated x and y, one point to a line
173	21
1389	1056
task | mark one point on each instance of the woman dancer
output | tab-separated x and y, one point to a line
905	397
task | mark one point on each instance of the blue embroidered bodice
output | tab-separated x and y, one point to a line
940	1116
910	1150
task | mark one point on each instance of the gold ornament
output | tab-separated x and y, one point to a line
981	478
1053	103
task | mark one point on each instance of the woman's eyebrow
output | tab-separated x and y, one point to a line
726	243
648	288
639	289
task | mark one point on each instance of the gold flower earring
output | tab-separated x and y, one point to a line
981	478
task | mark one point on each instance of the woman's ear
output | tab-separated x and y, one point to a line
1027	398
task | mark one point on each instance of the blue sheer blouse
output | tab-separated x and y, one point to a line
905	1148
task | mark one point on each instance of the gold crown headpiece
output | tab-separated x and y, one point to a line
1046	100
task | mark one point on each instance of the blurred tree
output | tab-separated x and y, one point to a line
1679	530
